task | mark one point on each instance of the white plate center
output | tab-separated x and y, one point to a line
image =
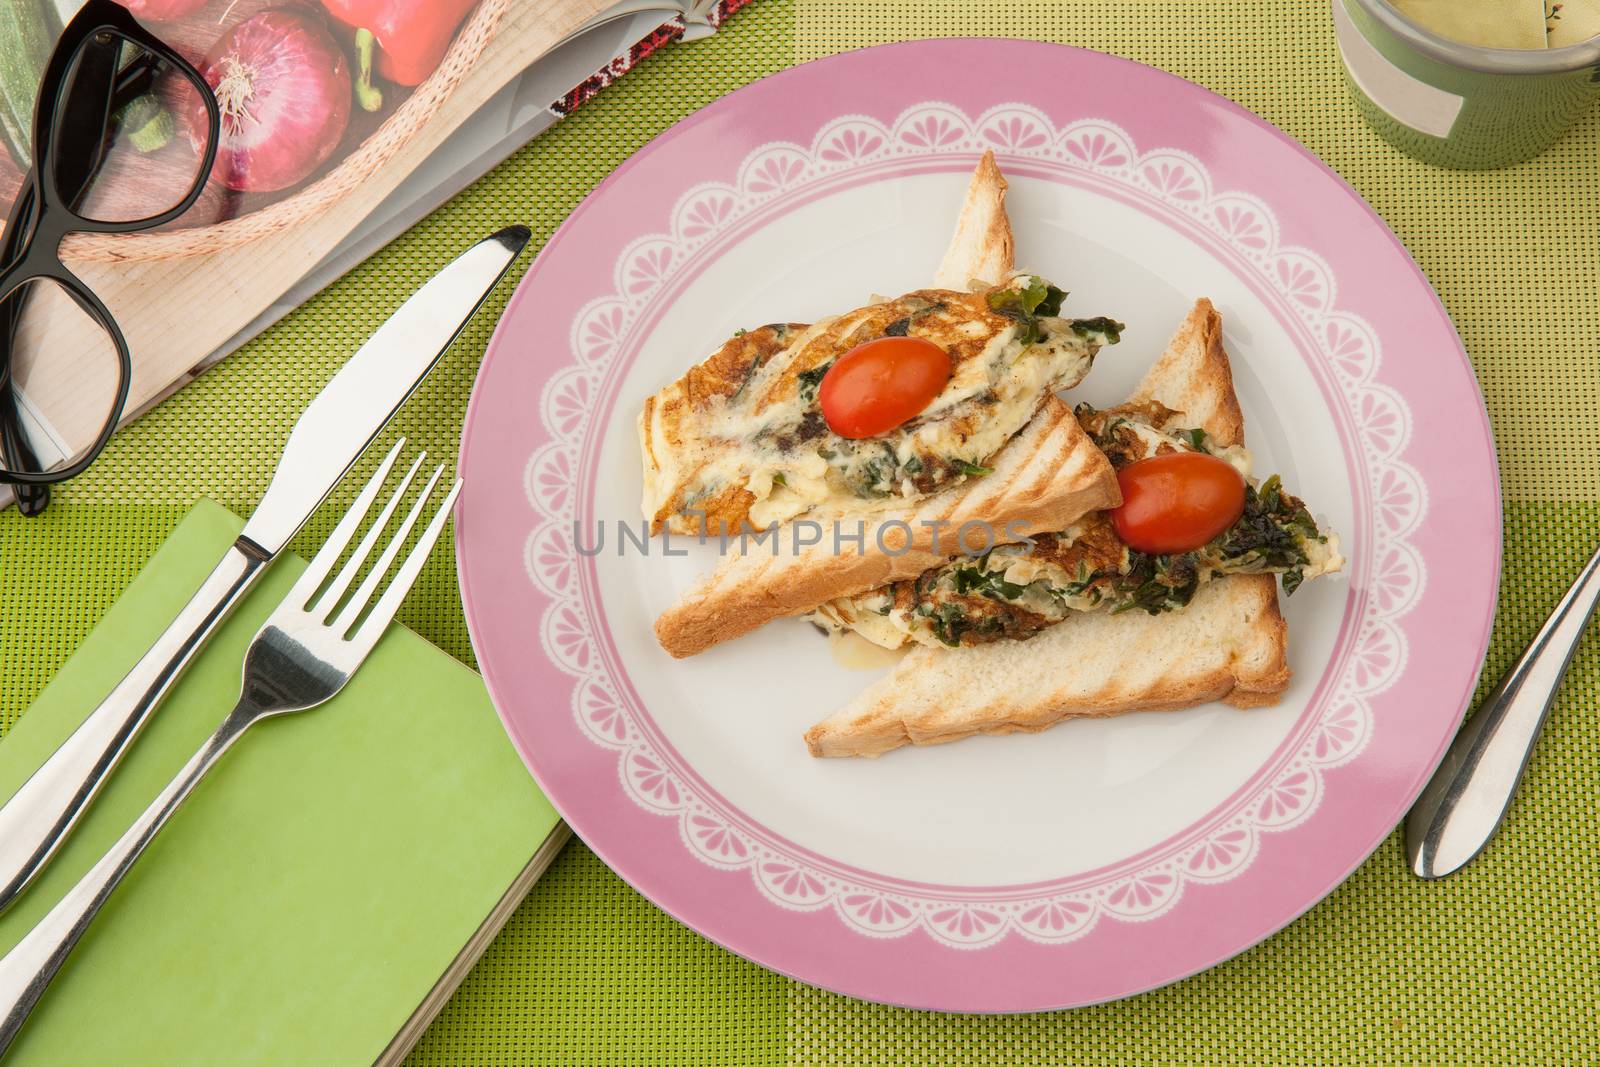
991	810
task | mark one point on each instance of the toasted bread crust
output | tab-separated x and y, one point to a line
1046	478
1230	644
1193	376
1231	650
981	247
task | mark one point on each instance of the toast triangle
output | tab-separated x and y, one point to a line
1229	644
981	249
1049	476
1045	479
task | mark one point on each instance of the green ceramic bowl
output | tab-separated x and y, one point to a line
1460	105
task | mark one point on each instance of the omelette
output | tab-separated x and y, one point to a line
1013	591
740	440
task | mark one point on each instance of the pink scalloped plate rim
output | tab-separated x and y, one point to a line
1413	427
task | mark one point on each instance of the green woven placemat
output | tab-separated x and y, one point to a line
1495	965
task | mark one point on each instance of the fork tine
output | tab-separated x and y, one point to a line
383	611
321	564
358	600
347	574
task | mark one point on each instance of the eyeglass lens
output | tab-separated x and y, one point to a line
132	132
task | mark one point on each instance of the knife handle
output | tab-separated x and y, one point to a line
1467	797
38	817
26	970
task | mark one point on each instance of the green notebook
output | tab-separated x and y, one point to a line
324	889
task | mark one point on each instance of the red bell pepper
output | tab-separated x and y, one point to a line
410	36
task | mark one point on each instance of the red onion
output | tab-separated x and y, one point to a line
194	34
283	88
157	10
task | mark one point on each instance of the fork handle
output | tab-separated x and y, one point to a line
1468	795
27	969
38	817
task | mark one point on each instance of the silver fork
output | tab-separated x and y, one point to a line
302	655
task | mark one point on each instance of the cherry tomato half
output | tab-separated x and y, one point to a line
876	386
1177	502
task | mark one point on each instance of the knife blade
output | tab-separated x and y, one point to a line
331	434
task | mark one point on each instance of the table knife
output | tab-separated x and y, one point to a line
332	432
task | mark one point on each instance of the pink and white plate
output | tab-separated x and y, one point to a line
1100	858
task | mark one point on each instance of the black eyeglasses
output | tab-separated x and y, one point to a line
117	148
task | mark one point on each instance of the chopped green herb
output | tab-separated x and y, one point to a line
811	380
749	376
1110	328
875	478
1270	531
1035	299
971	470
780	479
992	584
948	624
